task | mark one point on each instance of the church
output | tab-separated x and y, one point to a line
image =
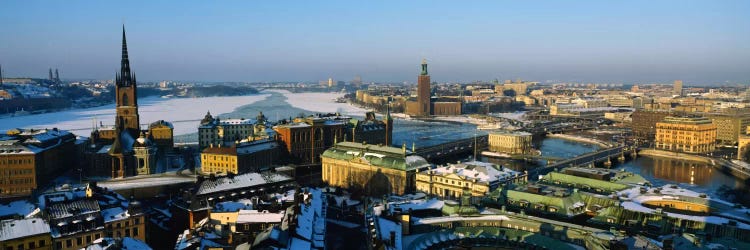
126	149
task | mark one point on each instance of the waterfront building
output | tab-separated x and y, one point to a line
510	142
729	126
215	131
619	116
110	151
378	170
239	158
445	106
31	158
743	148
479	178
304	139
686	134
29	233
644	123
421	107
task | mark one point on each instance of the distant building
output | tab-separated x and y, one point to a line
239	158
451	181
421	107
446	107
686	134
677	88
511	88
513	143
378	170
31	158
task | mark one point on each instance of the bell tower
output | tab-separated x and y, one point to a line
126	95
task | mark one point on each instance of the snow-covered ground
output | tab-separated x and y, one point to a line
183	113
321	102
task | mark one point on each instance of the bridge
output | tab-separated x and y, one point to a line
453	148
605	155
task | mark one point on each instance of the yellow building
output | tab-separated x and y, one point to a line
686	134
120	222
451	181
743	148
378	170
514	143
239	158
17	175
28	234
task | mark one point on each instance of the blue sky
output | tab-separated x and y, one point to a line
593	41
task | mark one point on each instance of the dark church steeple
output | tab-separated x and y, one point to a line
127	94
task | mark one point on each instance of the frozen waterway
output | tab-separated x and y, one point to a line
184	113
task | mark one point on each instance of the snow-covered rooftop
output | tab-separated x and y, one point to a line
240	181
14	229
475	170
255	216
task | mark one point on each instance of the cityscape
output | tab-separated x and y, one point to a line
342	125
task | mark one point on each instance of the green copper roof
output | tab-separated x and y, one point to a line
563	204
576	181
424	67
381	156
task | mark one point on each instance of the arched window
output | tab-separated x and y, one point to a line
125	99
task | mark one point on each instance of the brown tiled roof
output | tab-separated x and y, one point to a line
221	150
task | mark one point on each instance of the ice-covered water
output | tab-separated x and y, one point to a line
184	113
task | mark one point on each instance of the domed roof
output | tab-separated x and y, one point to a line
142	141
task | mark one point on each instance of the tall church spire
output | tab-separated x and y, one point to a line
125	76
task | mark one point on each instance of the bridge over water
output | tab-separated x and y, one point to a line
606	156
453	148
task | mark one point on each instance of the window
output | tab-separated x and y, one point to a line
32	245
97	236
88	239
41	243
127	232
137	221
20	246
79	241
135	231
68	243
